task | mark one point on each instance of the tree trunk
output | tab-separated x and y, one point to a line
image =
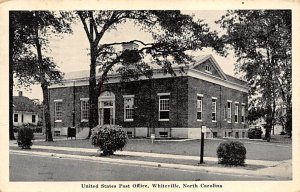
93	93
269	123
11	81
44	85
288	123
47	112
11	108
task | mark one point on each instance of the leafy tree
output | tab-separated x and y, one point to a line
30	32
173	35
261	40
255	113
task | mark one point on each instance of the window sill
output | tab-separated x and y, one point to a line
198	120
128	120
164	120
214	121
84	120
58	121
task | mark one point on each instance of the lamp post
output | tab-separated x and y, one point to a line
73	111
203	130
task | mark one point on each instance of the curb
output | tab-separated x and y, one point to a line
154	164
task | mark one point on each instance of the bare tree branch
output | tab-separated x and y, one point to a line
85	26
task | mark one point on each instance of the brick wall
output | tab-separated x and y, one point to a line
146	102
222	94
183	99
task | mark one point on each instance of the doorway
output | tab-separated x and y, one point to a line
106	106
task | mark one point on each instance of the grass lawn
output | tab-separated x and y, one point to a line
255	149
150	159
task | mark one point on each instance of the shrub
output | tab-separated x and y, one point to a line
25	137
254	133
38	130
231	153
109	138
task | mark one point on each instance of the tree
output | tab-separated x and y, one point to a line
261	40
29	37
173	35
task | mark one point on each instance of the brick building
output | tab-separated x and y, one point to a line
168	106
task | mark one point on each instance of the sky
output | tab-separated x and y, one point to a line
70	52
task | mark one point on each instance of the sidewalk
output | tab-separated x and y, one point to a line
273	169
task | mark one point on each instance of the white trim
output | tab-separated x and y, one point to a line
58	121
243	106
159	110
128	120
201	111
164	119
229	120
158	75
128	96
162	94
216	80
236	112
215	112
81	110
236	102
57	100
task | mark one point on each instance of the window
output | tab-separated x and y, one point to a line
236	112
58	110
229	111
243	113
22	118
207	68
199	107
84	106
33	119
214	109
164	106
16	117
128	107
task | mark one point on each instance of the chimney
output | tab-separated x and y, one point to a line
20	94
130	46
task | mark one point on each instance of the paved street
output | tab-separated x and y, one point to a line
24	167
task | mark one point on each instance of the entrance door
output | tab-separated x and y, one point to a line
106	106
106	116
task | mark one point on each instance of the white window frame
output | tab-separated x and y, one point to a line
16	118
159	106
229	110
243	112
82	100
208	69
236	112
125	111
34	118
55	110
199	109
215	108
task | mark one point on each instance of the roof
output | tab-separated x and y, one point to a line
84	74
22	103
